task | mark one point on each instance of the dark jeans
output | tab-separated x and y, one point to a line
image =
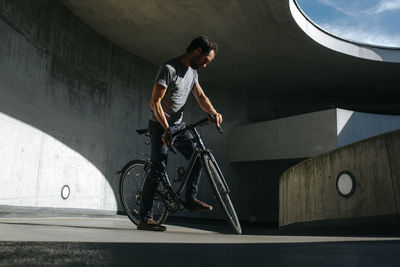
184	143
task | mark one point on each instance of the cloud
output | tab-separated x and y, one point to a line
339	7
360	7
365	21
363	34
385	5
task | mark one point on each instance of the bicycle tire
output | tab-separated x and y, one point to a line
131	180
221	192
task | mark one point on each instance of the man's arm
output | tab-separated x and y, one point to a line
155	104
205	103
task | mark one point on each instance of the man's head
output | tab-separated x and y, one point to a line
203	51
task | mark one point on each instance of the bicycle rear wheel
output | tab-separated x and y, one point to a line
131	186
221	192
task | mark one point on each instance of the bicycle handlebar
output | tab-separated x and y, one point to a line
200	123
194	125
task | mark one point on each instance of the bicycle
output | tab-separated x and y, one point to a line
166	200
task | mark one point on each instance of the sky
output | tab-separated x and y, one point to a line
374	22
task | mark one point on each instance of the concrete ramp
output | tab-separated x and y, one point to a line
356	183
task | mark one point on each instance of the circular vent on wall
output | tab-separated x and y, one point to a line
65	192
346	184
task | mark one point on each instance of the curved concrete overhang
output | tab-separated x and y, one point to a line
262	49
336	43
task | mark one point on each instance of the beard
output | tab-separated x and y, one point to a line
195	62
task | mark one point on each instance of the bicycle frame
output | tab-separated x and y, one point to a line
171	198
193	159
197	155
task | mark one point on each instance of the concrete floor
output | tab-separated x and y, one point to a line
114	241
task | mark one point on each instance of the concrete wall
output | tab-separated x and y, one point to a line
308	190
70	102
299	136
306	135
262	151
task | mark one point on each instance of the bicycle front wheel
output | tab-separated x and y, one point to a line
131	191
221	192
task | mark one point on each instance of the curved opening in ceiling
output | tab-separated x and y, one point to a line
342	45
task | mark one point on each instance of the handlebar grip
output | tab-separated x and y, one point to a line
214	119
220	129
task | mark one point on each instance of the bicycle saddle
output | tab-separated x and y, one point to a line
144	132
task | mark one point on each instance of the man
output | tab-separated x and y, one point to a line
174	81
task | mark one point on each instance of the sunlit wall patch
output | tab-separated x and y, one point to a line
346	184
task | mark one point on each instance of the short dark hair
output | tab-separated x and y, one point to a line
204	43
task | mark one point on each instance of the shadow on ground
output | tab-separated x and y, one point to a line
382	253
265	228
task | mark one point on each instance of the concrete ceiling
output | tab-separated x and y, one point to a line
262	49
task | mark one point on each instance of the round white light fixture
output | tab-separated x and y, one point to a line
346	184
65	192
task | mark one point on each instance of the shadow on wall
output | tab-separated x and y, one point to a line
261	202
70	102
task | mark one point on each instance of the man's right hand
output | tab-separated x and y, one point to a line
167	138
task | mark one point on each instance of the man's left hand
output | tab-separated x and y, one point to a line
218	118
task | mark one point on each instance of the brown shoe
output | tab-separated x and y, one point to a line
196	204
150	225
